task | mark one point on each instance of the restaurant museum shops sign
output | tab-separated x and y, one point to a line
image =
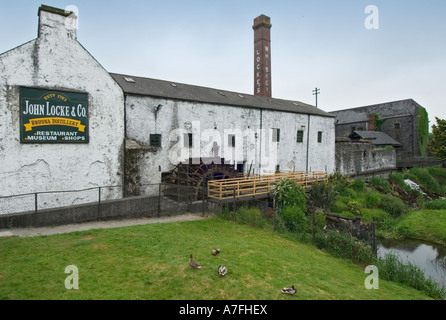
53	116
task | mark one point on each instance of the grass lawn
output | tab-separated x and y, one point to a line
151	262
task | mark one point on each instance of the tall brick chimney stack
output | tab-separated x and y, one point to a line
262	56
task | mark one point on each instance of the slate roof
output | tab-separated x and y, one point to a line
376	137
185	92
405	107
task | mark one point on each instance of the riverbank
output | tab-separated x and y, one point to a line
427	225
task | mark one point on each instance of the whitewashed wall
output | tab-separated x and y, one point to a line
56	60
148	115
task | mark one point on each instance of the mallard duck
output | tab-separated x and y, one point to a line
222	270
289	290
194	264
215	251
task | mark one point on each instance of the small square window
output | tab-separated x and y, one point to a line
155	140
276	135
231	140
300	136
319	137
397	125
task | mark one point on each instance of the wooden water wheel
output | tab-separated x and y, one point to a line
188	182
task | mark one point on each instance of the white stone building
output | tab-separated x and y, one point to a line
56	63
68	124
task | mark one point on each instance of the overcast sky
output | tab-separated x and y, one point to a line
323	44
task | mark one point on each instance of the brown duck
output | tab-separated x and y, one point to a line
194	264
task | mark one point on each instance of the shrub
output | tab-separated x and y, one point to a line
380	183
294	220
323	194
339	181
348	192
394	206
339	206
355	208
358	185
287	193
372	199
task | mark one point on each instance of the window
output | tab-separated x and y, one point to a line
188	140
300	136
231	140
397	125
319	137
276	135
155	140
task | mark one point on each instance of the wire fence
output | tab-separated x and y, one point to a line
97	203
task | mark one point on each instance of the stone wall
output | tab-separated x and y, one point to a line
362	158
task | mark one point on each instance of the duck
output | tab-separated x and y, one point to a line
289	290
222	270
194	264
215	251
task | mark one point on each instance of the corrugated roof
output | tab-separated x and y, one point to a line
376	137
179	91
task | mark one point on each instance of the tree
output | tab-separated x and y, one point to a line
438	144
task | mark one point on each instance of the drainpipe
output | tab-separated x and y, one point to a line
308	140
260	137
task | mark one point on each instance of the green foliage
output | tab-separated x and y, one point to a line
380	183
339	181
372	199
355	208
378	122
394	206
358	185
439	204
348	192
423	130
397	178
425	180
438	144
323	194
294	220
287	193
344	246
392	268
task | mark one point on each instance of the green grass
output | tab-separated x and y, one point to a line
427	225
151	262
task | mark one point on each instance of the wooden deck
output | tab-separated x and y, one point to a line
257	187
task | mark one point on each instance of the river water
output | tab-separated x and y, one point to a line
430	257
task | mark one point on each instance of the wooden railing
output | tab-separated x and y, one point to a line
258	186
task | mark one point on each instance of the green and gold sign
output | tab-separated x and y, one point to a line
52	116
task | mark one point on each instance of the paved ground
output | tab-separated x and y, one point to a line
44	231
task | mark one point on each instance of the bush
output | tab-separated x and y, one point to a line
323	194
339	181
287	193
380	183
394	206
339	206
355	208
358	185
348	192
372	199
294	220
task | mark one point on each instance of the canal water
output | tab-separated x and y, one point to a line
430	257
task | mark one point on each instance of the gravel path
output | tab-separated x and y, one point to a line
45	231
